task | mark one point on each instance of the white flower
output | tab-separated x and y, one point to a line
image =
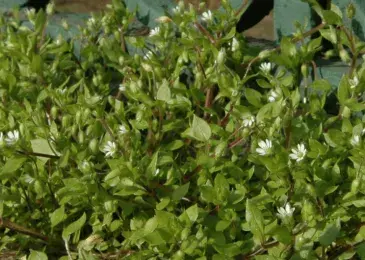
148	55
266	67
248	121
122	88
272	96
110	149
122	130
299	153
355	140
155	31
285	212
12	137
235	44
207	16
157	172
91	22
265	147
176	9
354	82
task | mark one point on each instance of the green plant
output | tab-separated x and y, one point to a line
236	161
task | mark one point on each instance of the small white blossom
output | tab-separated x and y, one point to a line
285	212
354	82
266	67
273	95
157	172
30	13
91	22
110	149
176	9
235	45
207	16
122	88
299	153
155	31
355	140
265	147
248	121
12	137
122	130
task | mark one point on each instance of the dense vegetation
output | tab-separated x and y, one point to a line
197	147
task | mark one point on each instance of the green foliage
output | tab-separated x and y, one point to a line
181	151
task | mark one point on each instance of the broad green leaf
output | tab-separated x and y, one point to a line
42	146
222	225
255	221
343	92
221	188
200	130
164	92
321	84
329	235
57	216
37	255
253	97
152	167
163	203
74	227
12	165
180	192
193	212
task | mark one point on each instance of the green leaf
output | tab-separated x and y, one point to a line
74	227
331	17
181	191
221	188
343	91
329	235
42	146
40	21
200	130
163	203
12	165
37	255
321	84
193	213
58	216
222	225
335	138
152	167
255	221
164	92
253	97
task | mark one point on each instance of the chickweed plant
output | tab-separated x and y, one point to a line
184	143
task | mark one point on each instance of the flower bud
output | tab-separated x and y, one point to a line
264	54
304	70
350	10
50	8
329	54
344	55
221	57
